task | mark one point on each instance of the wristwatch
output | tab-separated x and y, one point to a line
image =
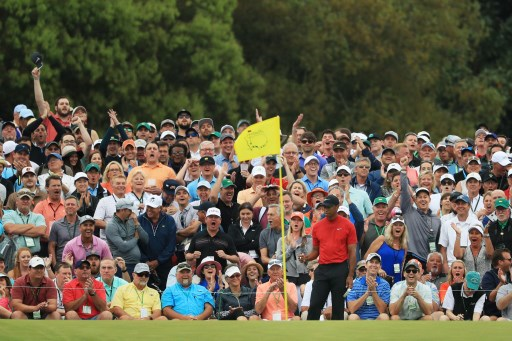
486	235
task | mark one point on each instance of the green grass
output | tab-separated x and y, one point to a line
258	330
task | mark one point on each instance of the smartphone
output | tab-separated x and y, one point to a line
244	167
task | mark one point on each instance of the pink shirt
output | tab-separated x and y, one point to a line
275	301
75	247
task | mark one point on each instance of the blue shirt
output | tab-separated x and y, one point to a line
321	162
320	183
221	159
187	301
361	199
369	311
192	187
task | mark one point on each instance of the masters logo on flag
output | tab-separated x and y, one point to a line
259	139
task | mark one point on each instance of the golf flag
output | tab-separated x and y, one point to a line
259	139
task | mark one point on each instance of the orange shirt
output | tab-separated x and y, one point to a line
108	187
157	173
246	195
275	301
51	212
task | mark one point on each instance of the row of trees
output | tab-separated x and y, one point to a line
375	65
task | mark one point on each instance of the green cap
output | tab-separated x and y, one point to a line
380	200
501	202
143	124
227	183
216	134
92	166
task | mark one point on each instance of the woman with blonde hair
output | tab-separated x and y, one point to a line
21	260
456	274
137	195
297	245
426	179
299	192
392	248
113	169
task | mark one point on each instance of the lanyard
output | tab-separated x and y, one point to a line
137	292
381	233
74	230
54	210
22	220
474	208
141	199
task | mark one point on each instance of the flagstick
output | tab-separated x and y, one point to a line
283	249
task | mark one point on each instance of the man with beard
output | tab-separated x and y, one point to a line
185	300
154	172
206	128
64	229
136	301
212	242
411	299
161	230
183	122
500	231
307	144
494	279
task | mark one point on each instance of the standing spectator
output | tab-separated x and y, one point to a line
245	233
107	205
31	303
369	298
377	225
361	181
411	299
500	231
185	300
85	297
124	234
334	242
63	230
312	179
476	255
187	221
93	175
270	235
87	202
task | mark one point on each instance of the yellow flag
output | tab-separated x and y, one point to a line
259	139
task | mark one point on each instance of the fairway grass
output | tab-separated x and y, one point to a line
257	330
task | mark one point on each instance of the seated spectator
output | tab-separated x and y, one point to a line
109	279
369	297
63	275
31	303
185	300
306	296
84	297
494	279
455	275
465	301
21	263
5	296
252	273
410	299
245	233
235	302
136	301
504	301
434	271
210	273
87	202
273	309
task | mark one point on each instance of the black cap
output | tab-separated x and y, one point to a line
373	136
183	111
385	150
330	201
339	145
271	158
204	206
454	195
190	130
489	177
170	185
22	147
9	123
206	160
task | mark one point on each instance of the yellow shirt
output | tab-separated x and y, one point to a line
155	175
131	300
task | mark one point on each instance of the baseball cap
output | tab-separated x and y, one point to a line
438	167
454	195
380	200
140	268
447	176
361	264
128	142
167	121
204	183
19	107
330	201
424	133
143	125
215	135
501	202
480	131
86	218
373	136
58	156
386	150
258	170
154	201
80	175
462	197
372	256
205	120
489	177
124	203
491	135
9	147
398	218
473	280
92	166
183	266
22	147
232	270
345	168
333	182
273	262
498	157
226	136
297	214
477	227
474	158
392	134
269	158
81	262
26	170
26	113
204	206
127	124
170	185
428	144
213	211
424	138
339	145
413	263
166	134
181	188
394	166
9	123
140	143
227	126
25	192
422	189
450	140
242	121
344	209
183	111
36	261
206	160
311	158
475	176
227	183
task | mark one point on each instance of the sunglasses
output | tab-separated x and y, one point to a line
84	267
343	174
307	141
363	269
446	182
143	274
183	116
177	153
414	271
192	135
364	167
234	276
128	129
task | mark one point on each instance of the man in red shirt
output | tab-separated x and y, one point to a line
334	240
84	297
34	295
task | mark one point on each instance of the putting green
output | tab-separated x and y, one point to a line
257	330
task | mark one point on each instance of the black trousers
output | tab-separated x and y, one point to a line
329	278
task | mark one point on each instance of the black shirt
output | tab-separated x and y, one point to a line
208	246
228	214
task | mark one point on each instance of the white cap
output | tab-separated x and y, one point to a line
167	133
311	158
373	255
475	176
26	170
424	133
97	142
204	183
154	201
333	182
391	133
140	143
36	261
476	227
424	138
181	188
258	170
213	211
80	175
232	270
498	157
438	167
9	147
447	176
394	166
345	168
344	209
